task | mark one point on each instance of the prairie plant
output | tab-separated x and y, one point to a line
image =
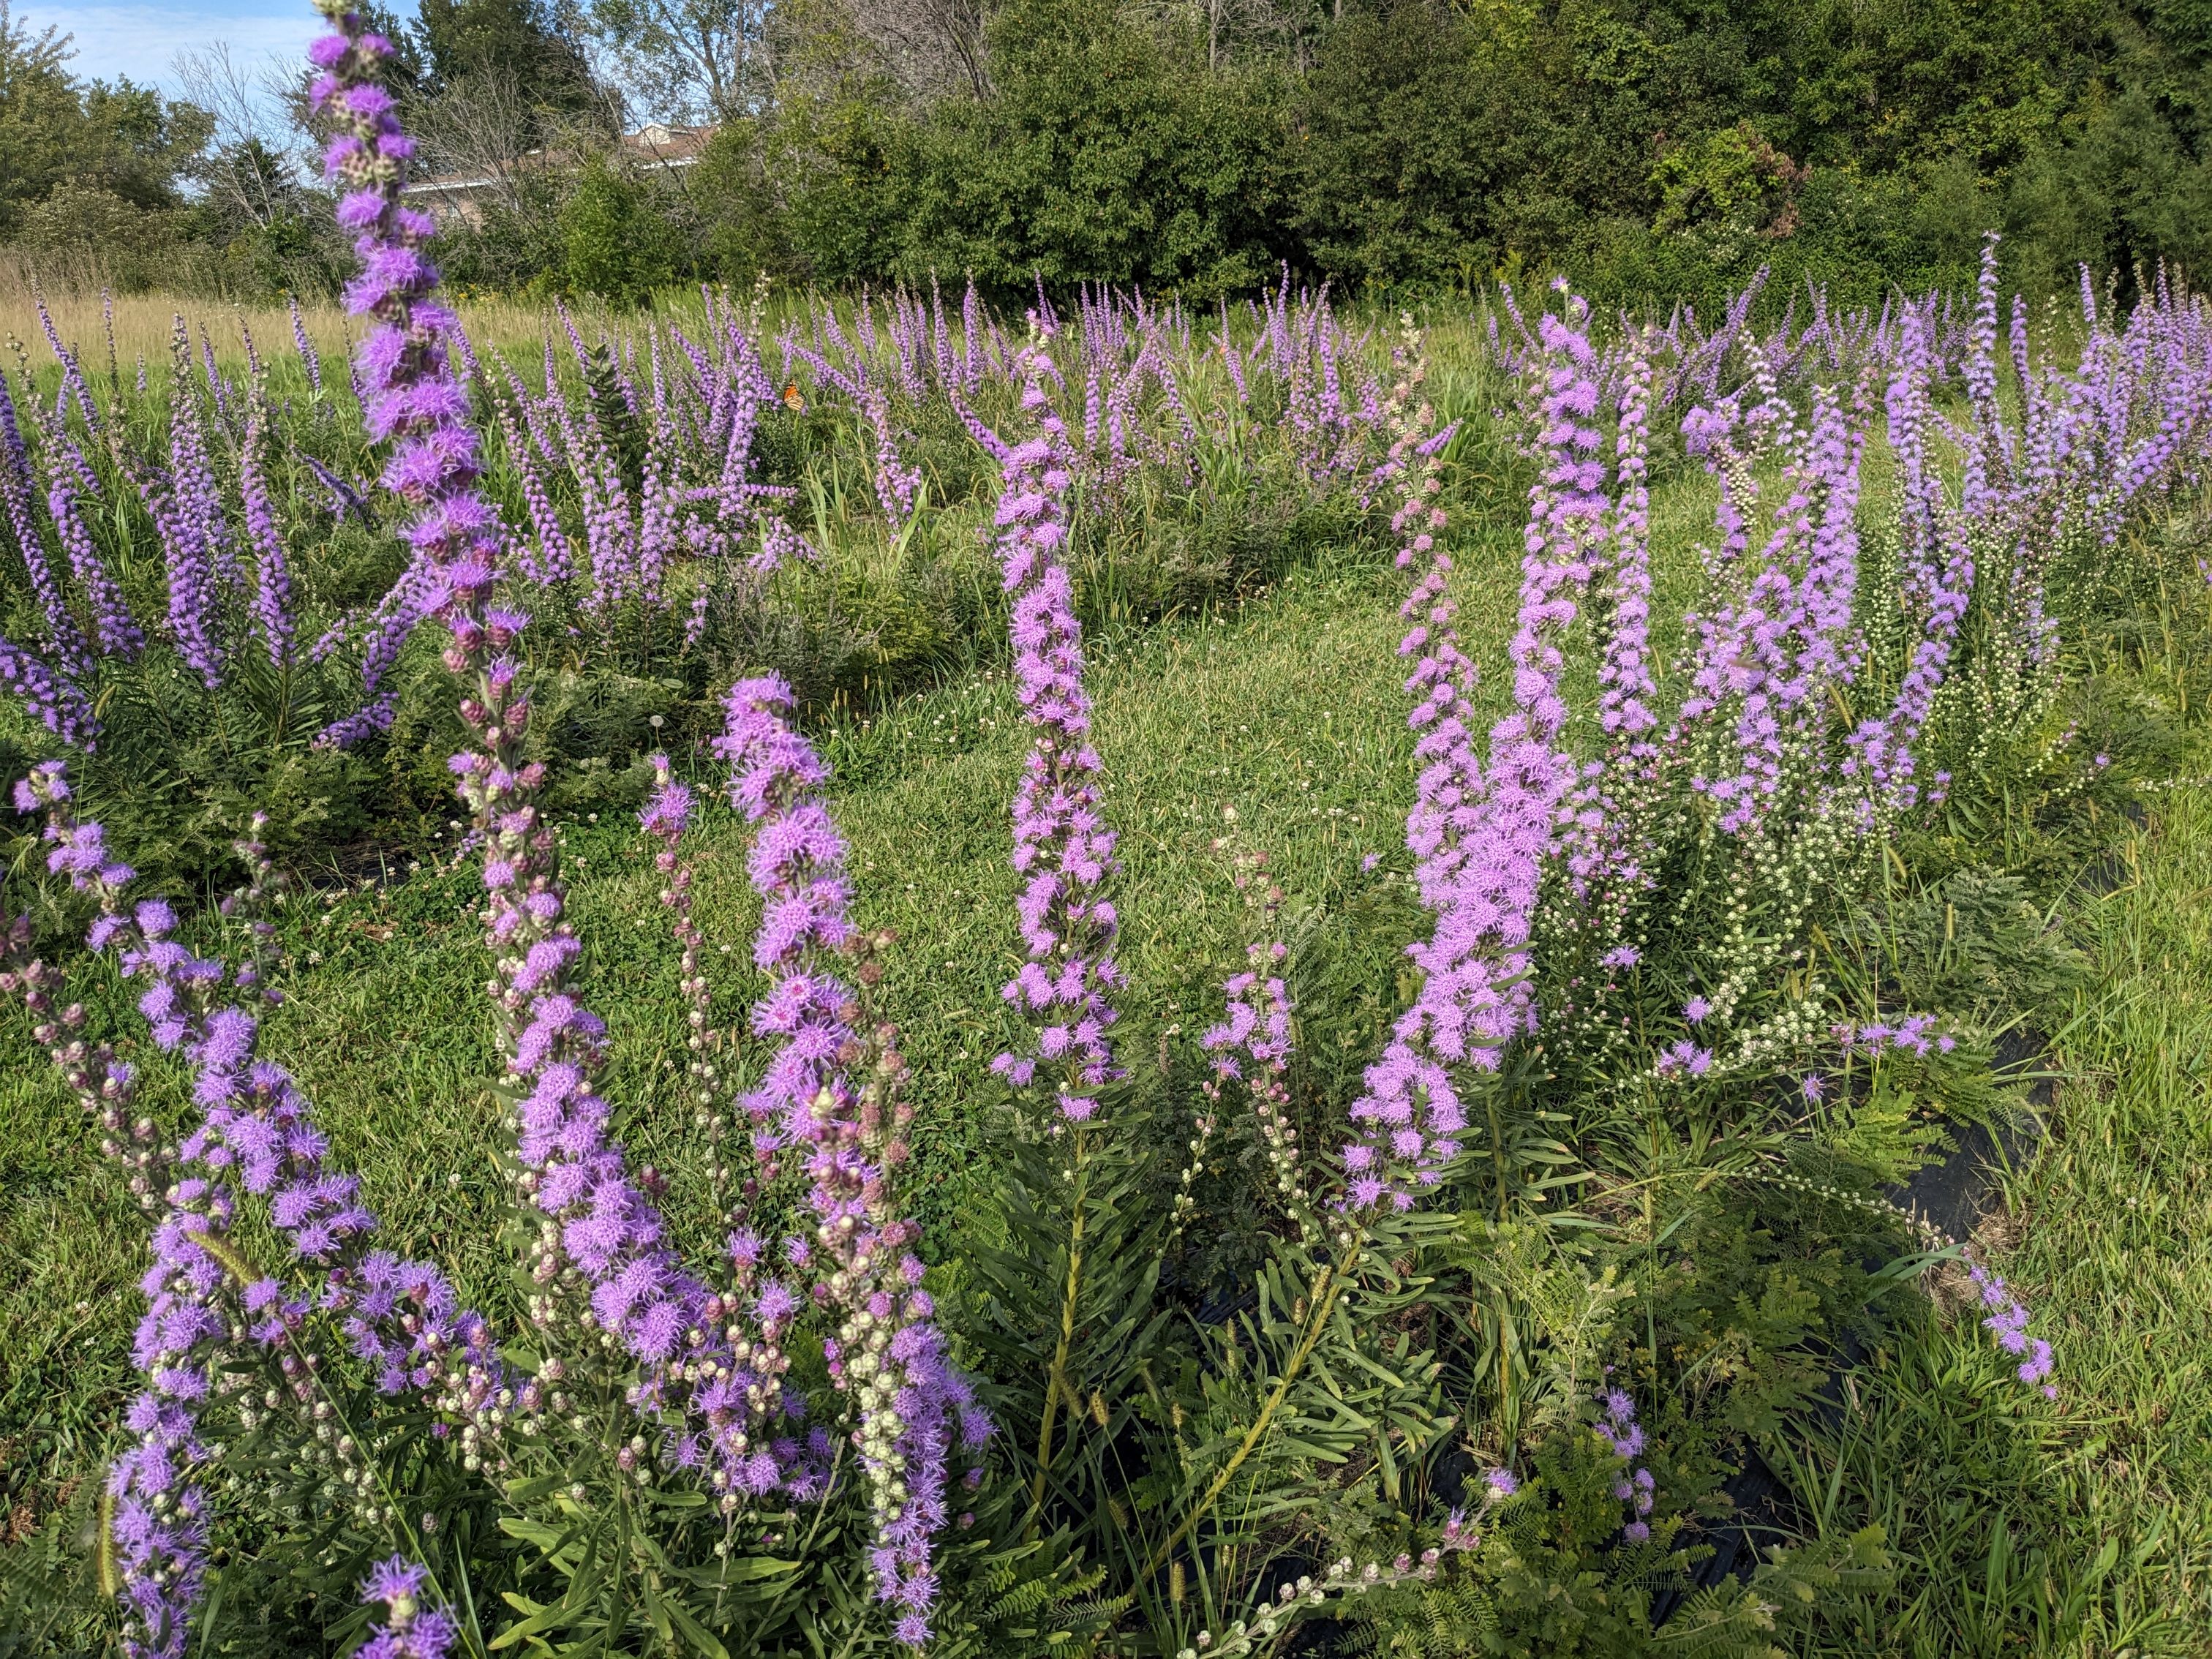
1512	1295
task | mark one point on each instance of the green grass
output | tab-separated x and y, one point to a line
2086	1528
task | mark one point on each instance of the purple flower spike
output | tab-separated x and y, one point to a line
410	393
1481	840
602	1226
63	709
837	1099
306	347
187	512
272	588
63	639
1062	848
1939	571
1410	1112
256	1138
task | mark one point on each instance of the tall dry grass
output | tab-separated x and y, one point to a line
78	301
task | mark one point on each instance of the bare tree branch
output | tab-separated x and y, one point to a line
688	57
255	162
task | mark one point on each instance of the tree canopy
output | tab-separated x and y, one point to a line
1648	147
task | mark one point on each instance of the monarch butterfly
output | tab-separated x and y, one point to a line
792	398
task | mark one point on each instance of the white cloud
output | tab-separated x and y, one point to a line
141	42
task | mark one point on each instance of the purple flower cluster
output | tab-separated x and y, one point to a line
1482	842
1829	346
851	375
308	359
696	507
839	1098
1297	342
1257	1032
64	641
1460	1531
256	1137
1781	635
710	1364
414	1627
1603	859
55	702
1252	1047
2007	1322
1618	1426
187	512
1062	848
897	484
1683	1059
1134	359
554	560
1624	604
798	865
1409	1112
1910	1034
272	587
410	397
159	1526
1939	572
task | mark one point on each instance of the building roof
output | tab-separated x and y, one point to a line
655	144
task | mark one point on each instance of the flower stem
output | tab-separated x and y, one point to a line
1057	1386
1326	1291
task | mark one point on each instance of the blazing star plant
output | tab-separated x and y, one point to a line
1431	1335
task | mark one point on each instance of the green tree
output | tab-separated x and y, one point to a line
1104	152
616	242
126	141
1410	139
518	38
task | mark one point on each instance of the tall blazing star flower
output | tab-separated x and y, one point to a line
68	481
256	1136
1601	860
187	517
1939	580
837	1094
272	585
1062	848
159	1526
411	397
1409	1113
49	697
1624	677
682	1336
1481	839
1769	653
63	641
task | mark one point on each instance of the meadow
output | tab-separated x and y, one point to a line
1842	674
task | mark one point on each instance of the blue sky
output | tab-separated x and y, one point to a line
140	41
